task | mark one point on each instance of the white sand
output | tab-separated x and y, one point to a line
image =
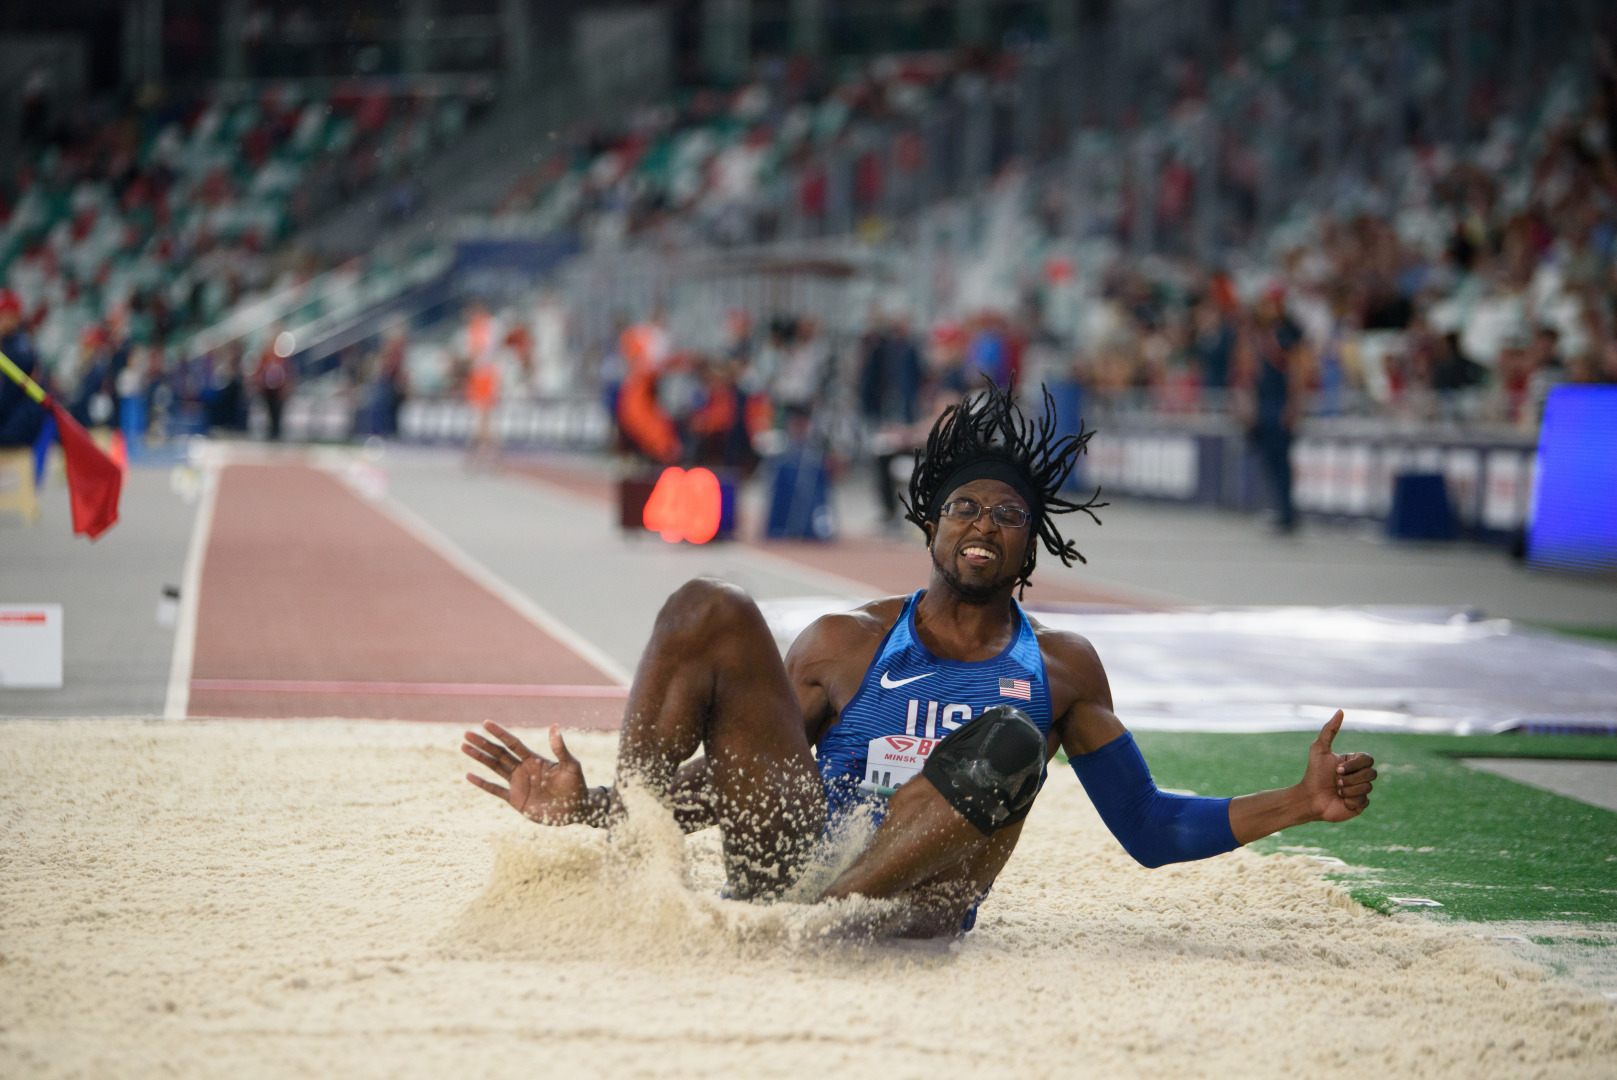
322	898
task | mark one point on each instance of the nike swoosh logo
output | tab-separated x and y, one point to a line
894	684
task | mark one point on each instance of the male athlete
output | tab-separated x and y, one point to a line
937	712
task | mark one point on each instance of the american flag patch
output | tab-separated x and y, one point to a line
1016	688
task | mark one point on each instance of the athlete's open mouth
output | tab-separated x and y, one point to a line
978	553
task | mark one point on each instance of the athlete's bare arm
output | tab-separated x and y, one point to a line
828	660
1334	787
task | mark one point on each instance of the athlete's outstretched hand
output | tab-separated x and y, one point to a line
549	792
1337	785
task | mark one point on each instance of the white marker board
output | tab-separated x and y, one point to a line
31	646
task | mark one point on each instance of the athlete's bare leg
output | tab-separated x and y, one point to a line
926	852
712	679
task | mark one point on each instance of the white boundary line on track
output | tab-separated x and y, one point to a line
409	689
178	700
518	601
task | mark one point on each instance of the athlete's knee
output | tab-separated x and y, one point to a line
990	769
707	606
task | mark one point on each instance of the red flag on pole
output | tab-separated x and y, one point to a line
93	479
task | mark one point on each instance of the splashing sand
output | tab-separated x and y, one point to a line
275	898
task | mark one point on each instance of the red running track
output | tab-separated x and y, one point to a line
314	603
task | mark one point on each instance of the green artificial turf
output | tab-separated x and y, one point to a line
1598	633
1485	847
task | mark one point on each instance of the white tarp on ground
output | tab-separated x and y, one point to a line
1437	670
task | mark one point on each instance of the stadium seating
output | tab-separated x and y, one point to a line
160	217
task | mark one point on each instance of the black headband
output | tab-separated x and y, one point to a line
988	468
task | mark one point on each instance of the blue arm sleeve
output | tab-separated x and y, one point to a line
1153	827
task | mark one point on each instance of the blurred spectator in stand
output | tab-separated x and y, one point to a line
21	419
1273	353
1608	358
1513	368
1453	369
1545	370
274	378
1212	347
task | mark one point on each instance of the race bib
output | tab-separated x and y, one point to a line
891	760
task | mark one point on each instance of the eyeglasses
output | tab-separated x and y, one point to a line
963	510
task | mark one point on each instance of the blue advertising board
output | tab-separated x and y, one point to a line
1574	517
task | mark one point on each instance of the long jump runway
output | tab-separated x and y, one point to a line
314	602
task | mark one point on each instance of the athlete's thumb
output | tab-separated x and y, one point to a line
1328	732
559	747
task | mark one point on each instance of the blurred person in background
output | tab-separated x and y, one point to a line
1546	370
21	418
1512	369
1454	369
1273	360
483	394
614	368
946	357
716	430
890	380
737	346
1213	348
644	428
392	384
988	354
805	370
273	379
478	351
130	383
770	357
91	404
226	396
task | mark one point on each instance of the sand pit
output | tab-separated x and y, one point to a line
285	898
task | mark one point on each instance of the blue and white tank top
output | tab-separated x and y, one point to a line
910	699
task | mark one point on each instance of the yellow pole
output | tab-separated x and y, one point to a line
30	387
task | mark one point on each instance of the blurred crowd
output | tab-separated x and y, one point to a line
1429	281
1482	281
791	154
130	225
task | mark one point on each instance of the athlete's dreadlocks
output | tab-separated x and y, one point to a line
991	434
